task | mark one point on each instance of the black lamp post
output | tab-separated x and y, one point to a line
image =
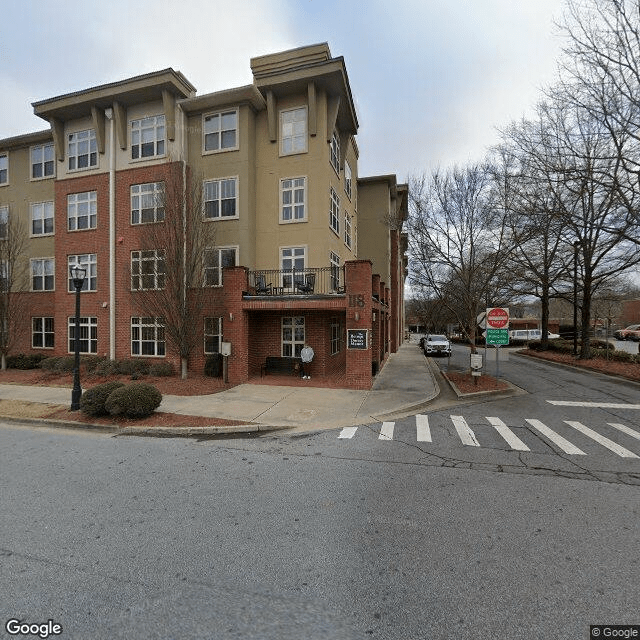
78	274
576	246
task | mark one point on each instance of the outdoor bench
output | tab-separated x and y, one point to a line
281	364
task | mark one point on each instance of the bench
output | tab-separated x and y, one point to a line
281	364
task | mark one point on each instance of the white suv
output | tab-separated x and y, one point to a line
436	345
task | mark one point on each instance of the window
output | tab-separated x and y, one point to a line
42	218
347	229
334	278
335	336
212	335
293	131
42	161
334	212
148	269
42	333
292	261
220	199
90	263
5	283
221	131
147	337
292	336
147	202
88	335
82	150
147	137
293	199
43	274
215	260
334	157
82	210
4	222
4	168
348	180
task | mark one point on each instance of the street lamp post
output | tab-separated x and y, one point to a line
78	274
576	246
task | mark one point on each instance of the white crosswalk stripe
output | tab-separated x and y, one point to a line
386	432
423	432
605	442
556	438
467	436
512	439
464	431
624	429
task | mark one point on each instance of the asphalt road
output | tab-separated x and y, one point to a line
321	536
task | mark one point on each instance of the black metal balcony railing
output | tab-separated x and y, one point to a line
295	282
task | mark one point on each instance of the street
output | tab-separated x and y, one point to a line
473	519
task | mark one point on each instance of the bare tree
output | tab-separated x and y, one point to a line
168	275
14	281
458	241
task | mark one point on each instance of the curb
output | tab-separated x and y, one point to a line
575	367
154	432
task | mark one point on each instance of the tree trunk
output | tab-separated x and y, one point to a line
3	360
183	368
585	316
544	319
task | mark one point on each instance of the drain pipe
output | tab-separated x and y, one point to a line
112	234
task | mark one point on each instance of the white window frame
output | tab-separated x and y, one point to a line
46	163
348	232
88	328
4	168
143	279
293	200
5	273
147	197
334	153
334	211
294	131
216	191
4	221
213	273
42	212
212	331
334	271
90	262
213	124
76	202
292	336
150	130
290	270
348	179
148	331
44	269
44	331
82	144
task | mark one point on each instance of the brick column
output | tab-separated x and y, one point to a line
236	323
358	280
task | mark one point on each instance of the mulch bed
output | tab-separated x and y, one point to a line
466	383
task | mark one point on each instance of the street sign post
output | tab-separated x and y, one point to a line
497	330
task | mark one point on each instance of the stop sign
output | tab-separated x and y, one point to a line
497	318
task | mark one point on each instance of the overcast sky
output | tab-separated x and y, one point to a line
432	79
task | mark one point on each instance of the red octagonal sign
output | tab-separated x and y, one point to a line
497	318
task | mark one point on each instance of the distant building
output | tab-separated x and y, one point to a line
306	251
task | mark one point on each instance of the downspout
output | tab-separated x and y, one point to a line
112	234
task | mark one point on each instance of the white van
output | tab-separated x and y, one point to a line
530	334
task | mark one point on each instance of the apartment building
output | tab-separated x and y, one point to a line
301	249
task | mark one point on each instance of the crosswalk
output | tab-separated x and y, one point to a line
530	426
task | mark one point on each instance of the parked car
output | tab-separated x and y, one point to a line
437	345
632	332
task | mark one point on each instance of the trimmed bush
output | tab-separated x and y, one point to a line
106	368
93	400
22	361
137	400
161	369
133	365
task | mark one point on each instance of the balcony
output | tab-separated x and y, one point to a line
325	281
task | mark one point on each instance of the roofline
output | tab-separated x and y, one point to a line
25	139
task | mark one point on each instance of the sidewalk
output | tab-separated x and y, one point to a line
405	384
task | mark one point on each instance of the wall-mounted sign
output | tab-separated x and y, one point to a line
357	339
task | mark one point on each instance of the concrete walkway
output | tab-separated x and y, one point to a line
405	384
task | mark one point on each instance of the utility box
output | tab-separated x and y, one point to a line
476	364
225	348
